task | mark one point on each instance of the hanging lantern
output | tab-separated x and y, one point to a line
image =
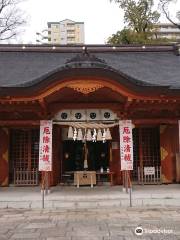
108	134
80	135
70	132
99	135
75	134
104	136
88	137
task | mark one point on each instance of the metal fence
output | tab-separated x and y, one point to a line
25	177
151	178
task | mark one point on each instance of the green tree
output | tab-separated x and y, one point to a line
138	14
128	36
139	19
11	18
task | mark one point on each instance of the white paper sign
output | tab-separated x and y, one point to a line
149	170
126	144
45	146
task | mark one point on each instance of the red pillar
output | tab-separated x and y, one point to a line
4	159
115	159
55	175
169	148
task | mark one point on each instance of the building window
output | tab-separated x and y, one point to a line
70	31
70	24
71	38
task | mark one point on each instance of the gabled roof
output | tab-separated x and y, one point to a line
23	66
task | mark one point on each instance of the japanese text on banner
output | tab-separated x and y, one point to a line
45	146
126	144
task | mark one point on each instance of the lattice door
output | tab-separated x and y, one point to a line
146	149
150	143
24	152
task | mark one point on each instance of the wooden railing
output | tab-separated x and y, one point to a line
25	177
154	178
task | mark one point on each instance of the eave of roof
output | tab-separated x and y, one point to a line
89	47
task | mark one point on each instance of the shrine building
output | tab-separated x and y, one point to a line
86	90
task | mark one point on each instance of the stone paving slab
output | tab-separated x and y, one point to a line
26	235
90	224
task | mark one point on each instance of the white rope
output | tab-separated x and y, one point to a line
87	125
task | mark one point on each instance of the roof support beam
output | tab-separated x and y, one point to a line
157	121
43	105
23	123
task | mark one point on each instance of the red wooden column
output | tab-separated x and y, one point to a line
178	159
115	159
4	164
141	154
169	148
56	156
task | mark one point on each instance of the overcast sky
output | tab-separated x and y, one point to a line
101	18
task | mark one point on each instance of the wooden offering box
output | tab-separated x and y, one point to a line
84	178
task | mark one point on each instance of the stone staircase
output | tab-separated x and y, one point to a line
85	197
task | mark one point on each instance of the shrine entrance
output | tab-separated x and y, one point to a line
86	141
74	155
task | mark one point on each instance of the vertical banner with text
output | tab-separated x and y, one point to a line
126	144
45	146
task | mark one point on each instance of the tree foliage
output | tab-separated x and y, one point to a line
138	14
11	18
164	4
140	20
128	36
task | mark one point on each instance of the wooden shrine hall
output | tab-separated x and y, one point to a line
85	89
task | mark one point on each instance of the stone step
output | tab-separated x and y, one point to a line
53	204
85	197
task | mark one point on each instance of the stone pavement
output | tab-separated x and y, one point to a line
90	224
71	197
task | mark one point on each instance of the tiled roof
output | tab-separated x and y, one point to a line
154	66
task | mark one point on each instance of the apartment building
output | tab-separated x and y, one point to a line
66	32
167	30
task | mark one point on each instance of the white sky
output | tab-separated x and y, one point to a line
101	18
